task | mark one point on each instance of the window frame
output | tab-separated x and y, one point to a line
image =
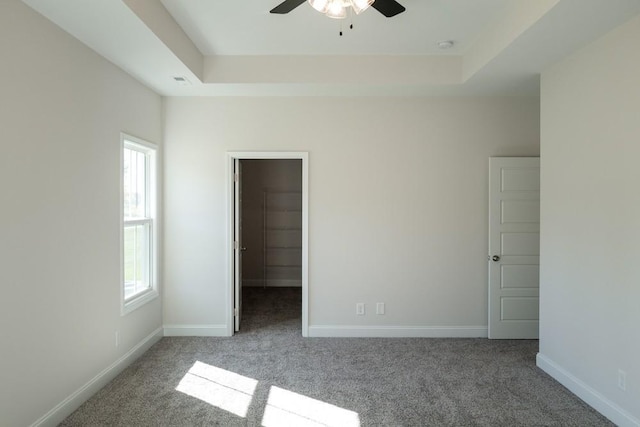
150	151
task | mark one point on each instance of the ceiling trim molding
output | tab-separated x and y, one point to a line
339	69
519	18
156	17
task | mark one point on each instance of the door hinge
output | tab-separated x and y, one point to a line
236	177
235	311
235	245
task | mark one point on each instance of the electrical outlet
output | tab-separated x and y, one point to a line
380	308
360	309
622	380
117	338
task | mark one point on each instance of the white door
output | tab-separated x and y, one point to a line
514	247
237	242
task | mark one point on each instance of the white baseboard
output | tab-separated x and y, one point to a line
591	396
195	331
62	410
398	331
272	283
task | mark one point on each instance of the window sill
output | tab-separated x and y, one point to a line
138	301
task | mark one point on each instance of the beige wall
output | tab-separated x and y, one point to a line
590	275
62	108
397	201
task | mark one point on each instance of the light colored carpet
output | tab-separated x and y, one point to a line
269	375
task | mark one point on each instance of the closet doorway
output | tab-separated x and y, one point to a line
268	239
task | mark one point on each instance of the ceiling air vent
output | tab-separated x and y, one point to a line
182	81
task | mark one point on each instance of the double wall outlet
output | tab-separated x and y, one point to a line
360	308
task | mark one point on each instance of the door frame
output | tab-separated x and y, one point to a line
267	155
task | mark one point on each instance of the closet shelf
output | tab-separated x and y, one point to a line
277	192
283	228
284	265
283	210
282	225
288	248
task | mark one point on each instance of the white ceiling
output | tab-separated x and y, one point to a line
247	28
237	48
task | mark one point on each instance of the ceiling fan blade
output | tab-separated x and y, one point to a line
388	8
287	6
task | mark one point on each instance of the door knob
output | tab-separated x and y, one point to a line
243	249
495	258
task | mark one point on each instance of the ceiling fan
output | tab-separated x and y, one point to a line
388	8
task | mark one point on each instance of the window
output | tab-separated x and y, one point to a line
138	225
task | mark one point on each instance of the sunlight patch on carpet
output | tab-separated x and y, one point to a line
218	387
286	408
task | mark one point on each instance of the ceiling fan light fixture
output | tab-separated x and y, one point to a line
321	6
360	6
336	10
